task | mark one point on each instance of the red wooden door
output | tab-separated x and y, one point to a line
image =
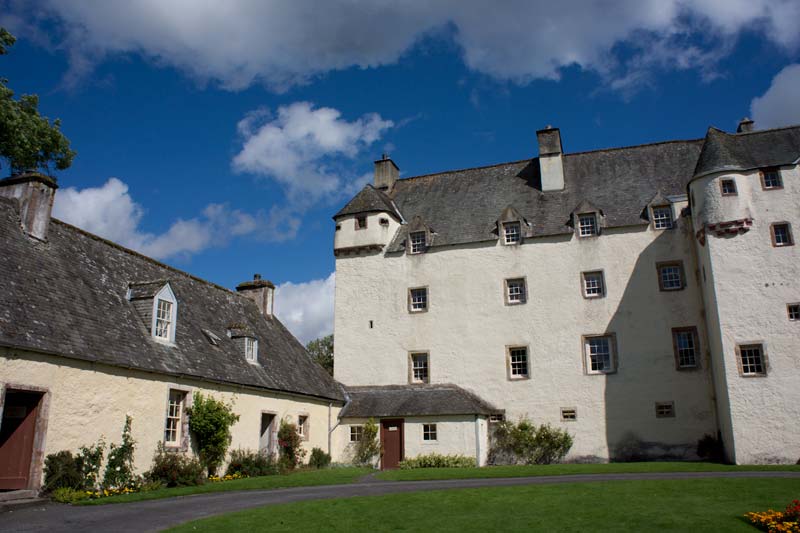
17	434
392	443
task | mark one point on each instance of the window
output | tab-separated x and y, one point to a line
670	276
164	320
417	239
781	234
794	311
662	217
383	221
302	426
686	347
429	432
496	419
569	415
752	361
251	349
173	427
518	362
361	223
728	187
418	300
338	227
356	433
599	352
419	368
515	291
587	225
511	232
665	409
771	179
593	284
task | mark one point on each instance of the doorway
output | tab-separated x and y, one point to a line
18	437
392	443
266	440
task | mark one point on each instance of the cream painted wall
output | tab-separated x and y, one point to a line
88	401
468	327
752	283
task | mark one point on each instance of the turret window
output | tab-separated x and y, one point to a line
361	223
587	225
728	187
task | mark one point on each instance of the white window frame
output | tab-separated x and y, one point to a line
166	295
611	341
661	222
590	229
513	296
590	277
682	355
251	349
430	433
793	312
512	233
750	368
173	421
660	270
418	305
425	357
415	246
510	362
302	426
356	433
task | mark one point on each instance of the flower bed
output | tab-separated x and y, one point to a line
773	521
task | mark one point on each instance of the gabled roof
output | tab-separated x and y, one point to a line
413	400
745	151
67	297
368	200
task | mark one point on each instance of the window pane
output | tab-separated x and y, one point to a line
163	319
593	283
671	278
587	225
172	425
772	179
752	359
419	370
599	353
782	234
728	187
515	290
511	231
518	361
686	344
662	217
417	242
419	299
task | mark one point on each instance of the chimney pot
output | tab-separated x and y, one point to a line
256	277
35	193
745	125
261	291
386	173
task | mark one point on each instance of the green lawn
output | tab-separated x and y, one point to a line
305	478
675	505
420	474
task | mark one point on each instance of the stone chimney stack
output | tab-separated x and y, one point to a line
745	125
35	193
386	173
551	163
261	291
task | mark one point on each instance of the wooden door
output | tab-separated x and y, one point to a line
17	435
392	443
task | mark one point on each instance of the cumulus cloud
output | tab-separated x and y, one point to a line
111	212
780	105
307	308
306	149
240	42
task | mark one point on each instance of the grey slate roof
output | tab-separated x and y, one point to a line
368	200
68	297
745	151
413	400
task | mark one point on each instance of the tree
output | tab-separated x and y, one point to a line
28	141
321	351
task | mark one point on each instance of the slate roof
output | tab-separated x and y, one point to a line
413	400
368	200
746	151
67	297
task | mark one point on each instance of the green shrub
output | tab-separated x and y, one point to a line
61	472
68	495
251	464
174	469
368	448
210	422
290	449
526	443
88	461
319	459
435	460
119	469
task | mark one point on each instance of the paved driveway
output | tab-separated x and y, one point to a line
155	515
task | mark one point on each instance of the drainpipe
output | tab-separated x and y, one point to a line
477	441
332	429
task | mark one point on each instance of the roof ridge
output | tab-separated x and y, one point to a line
744	133
466	169
142	256
642	145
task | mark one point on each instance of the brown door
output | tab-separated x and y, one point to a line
17	434
392	443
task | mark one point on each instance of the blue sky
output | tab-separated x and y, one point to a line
221	138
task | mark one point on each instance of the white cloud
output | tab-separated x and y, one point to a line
307	308
240	42
780	105
111	212
303	148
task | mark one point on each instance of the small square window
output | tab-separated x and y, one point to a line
587	225
599	352
361	223
418	244
515	291
662	217
518	362
356	433
771	179
751	360
728	187
670	276
383	221
569	415
794	311
686	347
511	232
429	432
418	300
419	368
593	284
781	234
302	426
665	409
496	419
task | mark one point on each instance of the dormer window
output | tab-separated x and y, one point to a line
157	306
163	329
417	240
251	349
587	224
662	217
511	233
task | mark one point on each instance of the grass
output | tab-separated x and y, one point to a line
304	478
673	505
421	474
